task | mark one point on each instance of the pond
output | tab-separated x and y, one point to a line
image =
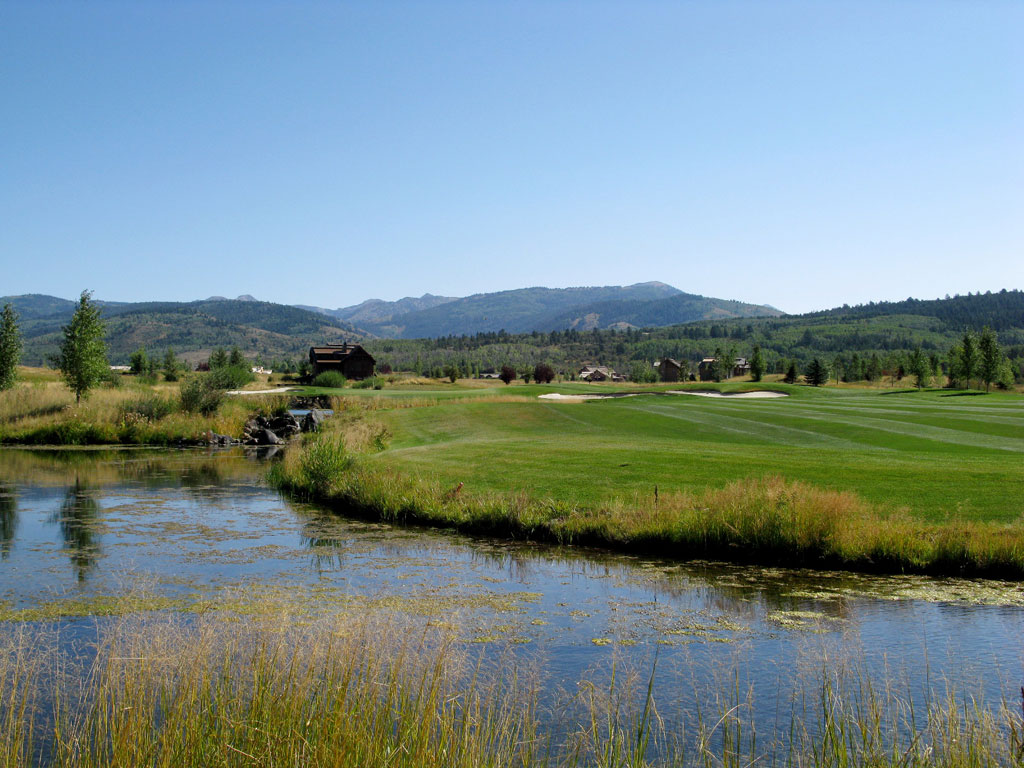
88	533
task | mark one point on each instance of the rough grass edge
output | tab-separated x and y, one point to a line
764	520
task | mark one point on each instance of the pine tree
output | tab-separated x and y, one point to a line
791	374
83	353
873	371
10	347
171	366
817	373
218	358
756	364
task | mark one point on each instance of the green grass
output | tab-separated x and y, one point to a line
912	481
926	452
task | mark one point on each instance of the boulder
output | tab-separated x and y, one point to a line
267	437
313	420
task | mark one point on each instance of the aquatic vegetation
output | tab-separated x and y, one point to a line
375	689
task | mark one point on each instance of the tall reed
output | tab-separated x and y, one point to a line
350	690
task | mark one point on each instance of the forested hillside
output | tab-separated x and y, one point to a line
276	333
882	329
258	328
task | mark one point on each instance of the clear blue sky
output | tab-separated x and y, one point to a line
802	154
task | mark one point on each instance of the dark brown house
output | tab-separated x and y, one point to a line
350	360
670	369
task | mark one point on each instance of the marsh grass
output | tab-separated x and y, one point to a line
381	689
768	520
45	413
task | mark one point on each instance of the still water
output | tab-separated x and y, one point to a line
179	530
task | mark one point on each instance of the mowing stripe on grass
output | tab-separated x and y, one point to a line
761	431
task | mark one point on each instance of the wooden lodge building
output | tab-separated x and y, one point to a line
705	370
671	370
350	360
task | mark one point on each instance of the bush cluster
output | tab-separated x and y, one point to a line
231	376
152	408
331	379
202	394
374	382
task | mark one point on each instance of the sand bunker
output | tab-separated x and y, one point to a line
580	398
763	394
277	391
737	395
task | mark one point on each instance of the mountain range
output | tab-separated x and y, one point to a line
271	330
540	309
542	323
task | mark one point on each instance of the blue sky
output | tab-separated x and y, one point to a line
802	154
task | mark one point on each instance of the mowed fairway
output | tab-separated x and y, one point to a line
936	454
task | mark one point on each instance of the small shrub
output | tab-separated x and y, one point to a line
150	408
508	374
322	462
201	395
329	379
374	382
231	377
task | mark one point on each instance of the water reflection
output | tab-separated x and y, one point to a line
77	518
8	519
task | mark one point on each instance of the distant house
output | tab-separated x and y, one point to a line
350	360
261	369
741	367
705	369
599	373
670	370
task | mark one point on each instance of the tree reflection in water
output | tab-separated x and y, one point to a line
77	517
8	519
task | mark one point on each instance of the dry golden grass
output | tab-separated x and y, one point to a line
46	413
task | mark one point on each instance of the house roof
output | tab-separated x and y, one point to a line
335	352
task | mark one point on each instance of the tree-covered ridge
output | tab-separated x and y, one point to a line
800	339
261	329
998	311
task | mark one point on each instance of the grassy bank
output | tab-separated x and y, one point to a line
617	482
378	690
44	412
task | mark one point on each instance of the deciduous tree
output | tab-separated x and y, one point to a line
756	364
83	353
139	361
990	357
543	373
920	368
